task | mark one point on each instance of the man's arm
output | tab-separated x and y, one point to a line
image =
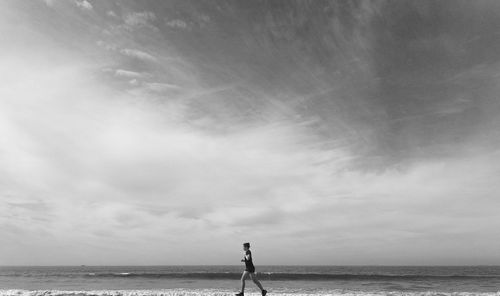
246	257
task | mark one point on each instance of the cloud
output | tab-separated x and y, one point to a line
83	4
114	151
129	74
111	14
456	106
176	23
39	206
161	87
49	3
140	19
141	55
107	46
204	18
138	169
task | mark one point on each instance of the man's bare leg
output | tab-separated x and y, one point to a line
243	278
253	276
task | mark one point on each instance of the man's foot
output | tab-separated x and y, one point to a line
264	292
239	294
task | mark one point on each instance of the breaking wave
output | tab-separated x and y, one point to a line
219	293
277	276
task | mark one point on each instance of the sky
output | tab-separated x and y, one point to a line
323	132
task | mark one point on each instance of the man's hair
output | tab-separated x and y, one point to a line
246	245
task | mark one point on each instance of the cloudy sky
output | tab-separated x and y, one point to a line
169	132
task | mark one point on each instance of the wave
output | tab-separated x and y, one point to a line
223	293
276	276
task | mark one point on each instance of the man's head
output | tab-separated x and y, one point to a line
246	246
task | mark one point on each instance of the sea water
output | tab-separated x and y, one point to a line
224	280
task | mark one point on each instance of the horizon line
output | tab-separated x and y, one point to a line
285	265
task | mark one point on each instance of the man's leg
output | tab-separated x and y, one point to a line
253	276
243	278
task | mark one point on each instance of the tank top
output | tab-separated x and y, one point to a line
248	262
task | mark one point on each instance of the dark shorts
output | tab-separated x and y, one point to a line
250	269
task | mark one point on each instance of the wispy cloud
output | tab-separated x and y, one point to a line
129	74
141	55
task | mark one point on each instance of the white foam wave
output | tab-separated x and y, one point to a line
15	292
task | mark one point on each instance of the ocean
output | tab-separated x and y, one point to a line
224	280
